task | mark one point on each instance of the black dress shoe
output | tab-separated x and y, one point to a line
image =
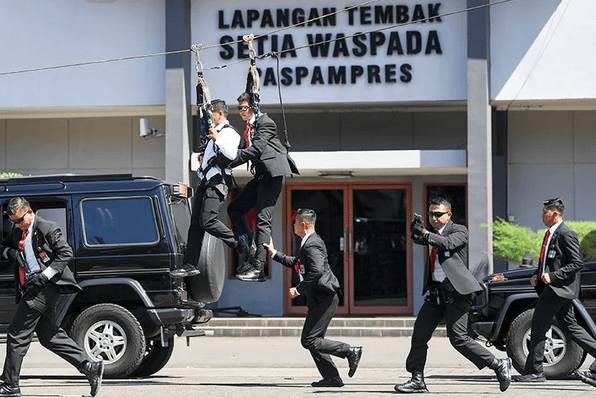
503	370
354	359
587	377
94	373
252	275
184	270
6	390
530	378
415	385
333	382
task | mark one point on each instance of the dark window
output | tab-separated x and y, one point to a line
119	221
455	193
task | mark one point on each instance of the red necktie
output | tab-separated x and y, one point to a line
297	263
247	133
542	251
433	256
22	250
247	139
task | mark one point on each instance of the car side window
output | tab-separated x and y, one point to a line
6	225
119	221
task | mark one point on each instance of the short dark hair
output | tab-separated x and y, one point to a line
307	215
440	201
219	105
555	204
16	204
245	97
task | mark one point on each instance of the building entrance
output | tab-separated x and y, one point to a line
365	228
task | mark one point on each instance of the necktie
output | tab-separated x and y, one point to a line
542	251
433	256
247	138
297	263
247	134
22	250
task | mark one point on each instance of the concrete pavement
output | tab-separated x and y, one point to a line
274	367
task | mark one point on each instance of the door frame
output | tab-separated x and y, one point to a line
348	283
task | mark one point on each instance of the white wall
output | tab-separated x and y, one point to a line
551	154
39	33
81	145
543	50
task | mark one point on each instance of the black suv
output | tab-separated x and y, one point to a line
503	316
127	233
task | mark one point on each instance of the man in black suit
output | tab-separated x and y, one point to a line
41	256
557	282
212	192
450	286
320	286
270	164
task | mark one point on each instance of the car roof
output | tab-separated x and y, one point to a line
75	183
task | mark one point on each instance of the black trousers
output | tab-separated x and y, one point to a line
454	308
321	309
550	305
261	194
35	313
205	218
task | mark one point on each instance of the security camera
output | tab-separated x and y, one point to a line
146	131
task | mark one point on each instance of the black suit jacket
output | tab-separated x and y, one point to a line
453	257
317	277
563	268
51	249
266	152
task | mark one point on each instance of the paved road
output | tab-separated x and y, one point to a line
275	367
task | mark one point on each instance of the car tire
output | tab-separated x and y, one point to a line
156	357
208	285
562	355
110	332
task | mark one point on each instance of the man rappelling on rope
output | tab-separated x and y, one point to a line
220	142
270	164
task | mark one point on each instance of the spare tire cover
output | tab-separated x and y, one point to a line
208	285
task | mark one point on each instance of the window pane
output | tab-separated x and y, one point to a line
119	221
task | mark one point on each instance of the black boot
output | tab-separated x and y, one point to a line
94	373
587	376
414	385
254	273
354	359
502	368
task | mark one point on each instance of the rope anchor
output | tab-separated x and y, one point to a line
195	48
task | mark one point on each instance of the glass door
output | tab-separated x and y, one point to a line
328	203
379	256
364	227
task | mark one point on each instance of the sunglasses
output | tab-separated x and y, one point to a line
243	108
437	214
20	219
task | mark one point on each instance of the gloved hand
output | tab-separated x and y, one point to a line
13	254
38	279
418	230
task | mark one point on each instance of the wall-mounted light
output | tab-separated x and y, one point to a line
146	131
336	174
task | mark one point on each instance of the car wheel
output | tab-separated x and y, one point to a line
208	285
156	357
110	332
561	355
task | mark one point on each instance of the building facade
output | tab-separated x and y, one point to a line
385	104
